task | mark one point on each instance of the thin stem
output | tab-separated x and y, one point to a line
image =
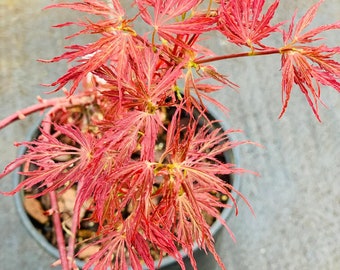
59	231
42	105
72	238
244	54
56	215
27	111
209	7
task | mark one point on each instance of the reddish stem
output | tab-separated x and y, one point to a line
56	215
44	104
59	231
29	110
244	54
72	238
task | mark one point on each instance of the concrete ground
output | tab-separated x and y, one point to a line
297	197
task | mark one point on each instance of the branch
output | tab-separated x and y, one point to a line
59	231
44	104
244	54
56	218
72	238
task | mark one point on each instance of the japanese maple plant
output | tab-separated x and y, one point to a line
118	135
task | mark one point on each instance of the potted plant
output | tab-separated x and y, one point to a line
133	135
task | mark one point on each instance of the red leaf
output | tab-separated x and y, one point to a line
143	250
117	40
243	23
308	66
169	19
115	13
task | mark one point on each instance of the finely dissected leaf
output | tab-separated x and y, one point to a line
117	43
178	33
296	35
243	23
135	127
308	67
143	250
164	240
194	25
164	10
152	80
192	168
93	56
307	18
112	253
56	163
136	90
115	13
135	185
170	19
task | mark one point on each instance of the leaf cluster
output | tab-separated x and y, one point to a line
133	132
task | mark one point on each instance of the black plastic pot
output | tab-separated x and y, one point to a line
204	261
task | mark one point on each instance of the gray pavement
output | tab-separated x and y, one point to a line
297	197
